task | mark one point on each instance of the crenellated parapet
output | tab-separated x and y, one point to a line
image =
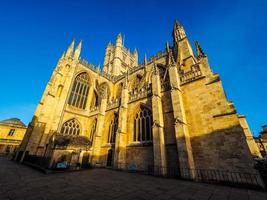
143	92
113	103
88	65
194	74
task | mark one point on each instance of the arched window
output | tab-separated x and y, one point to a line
93	131
137	82
113	129
95	100
164	78
70	127
143	126
79	91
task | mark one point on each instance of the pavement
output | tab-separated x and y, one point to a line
19	182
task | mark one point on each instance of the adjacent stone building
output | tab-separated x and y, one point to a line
261	141
168	112
11	134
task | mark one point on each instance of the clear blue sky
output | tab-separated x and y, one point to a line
34	34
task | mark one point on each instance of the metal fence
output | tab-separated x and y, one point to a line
238	179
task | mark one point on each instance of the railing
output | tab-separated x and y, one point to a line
194	74
93	109
140	93
114	103
247	180
157	56
88	65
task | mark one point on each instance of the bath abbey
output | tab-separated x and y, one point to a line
169	111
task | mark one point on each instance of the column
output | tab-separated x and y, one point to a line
99	129
121	136
158	125
184	148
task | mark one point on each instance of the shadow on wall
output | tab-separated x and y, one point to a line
223	149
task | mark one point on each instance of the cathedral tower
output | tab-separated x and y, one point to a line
118	59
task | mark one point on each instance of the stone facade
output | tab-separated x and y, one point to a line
169	112
11	134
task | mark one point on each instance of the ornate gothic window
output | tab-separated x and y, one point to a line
79	92
143	126
70	127
113	129
93	131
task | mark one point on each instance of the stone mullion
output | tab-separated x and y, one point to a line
75	93
90	96
79	95
82	95
86	97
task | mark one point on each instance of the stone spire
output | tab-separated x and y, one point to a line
98	69
63	55
70	50
116	67
169	53
200	52
155	69
135	51
78	51
167	47
119	40
145	60
178	32
135	54
125	85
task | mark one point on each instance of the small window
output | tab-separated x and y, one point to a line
11	132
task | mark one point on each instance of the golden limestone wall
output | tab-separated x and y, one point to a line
217	138
194	126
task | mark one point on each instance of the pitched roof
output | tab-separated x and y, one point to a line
13	122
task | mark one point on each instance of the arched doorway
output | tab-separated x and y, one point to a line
110	158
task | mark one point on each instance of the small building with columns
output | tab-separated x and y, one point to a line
168	112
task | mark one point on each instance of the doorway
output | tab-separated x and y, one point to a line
85	160
110	158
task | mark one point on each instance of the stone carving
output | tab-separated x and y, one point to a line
177	120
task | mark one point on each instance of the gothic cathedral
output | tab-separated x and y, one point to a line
168	112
